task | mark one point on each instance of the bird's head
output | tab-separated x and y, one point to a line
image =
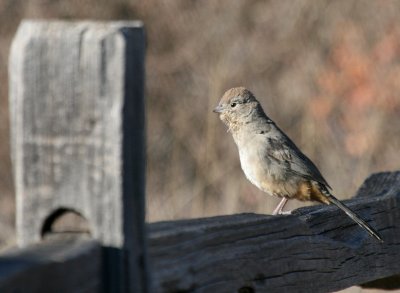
237	106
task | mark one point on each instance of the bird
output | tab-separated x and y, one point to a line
271	160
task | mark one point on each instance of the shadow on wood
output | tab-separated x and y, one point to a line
316	249
389	283
70	263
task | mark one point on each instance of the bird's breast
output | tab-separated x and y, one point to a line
262	171
255	165
250	162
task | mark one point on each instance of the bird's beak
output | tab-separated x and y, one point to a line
218	109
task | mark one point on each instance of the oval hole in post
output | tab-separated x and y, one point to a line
65	221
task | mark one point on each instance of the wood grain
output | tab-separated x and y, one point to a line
78	139
316	249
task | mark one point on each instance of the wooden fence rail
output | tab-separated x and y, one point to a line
78	141
66	264
316	249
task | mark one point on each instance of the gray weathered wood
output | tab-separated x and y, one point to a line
77	109
316	249
64	264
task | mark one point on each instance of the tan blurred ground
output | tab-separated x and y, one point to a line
328	72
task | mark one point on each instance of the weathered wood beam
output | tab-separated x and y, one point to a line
62	264
78	139
316	249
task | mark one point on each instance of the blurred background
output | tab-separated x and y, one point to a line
327	72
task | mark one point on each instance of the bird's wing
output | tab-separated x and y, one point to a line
287	153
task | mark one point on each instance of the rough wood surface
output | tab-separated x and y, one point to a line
77	109
316	249
64	264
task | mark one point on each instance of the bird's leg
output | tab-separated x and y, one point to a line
280	206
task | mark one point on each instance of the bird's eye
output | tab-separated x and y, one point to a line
233	105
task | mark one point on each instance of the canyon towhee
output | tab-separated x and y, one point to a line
270	160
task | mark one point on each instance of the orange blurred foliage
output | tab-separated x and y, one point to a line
358	78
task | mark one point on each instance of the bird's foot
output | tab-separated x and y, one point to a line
279	207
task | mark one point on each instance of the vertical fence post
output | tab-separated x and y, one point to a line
78	141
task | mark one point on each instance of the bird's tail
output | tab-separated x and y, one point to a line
353	216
